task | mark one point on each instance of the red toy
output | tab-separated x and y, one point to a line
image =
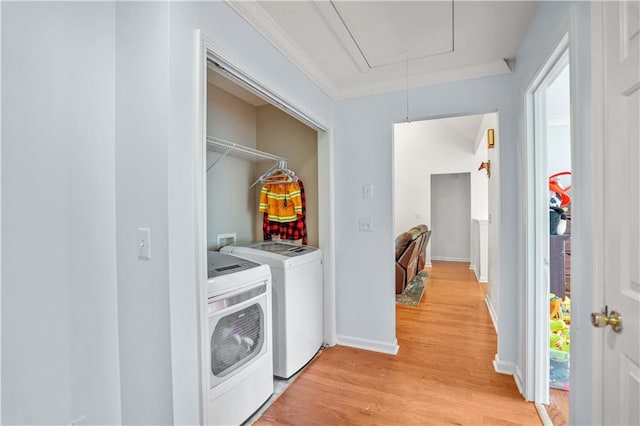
554	186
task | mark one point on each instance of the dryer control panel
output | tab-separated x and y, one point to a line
222	264
284	249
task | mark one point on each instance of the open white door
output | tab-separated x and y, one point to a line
621	174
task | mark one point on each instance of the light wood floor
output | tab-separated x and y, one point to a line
558	408
443	373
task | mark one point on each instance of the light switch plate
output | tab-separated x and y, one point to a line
143	243
365	224
367	191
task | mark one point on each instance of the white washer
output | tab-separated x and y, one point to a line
240	348
296	271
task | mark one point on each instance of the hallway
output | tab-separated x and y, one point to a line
443	373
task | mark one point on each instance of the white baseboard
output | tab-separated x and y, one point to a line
544	416
369	345
428	265
492	313
503	367
480	279
451	259
517	376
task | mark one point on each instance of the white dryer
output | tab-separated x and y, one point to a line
296	272
240	349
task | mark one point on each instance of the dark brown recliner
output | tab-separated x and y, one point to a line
422	248
405	253
410	254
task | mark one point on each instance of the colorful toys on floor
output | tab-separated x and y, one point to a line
559	341
560	336
566	310
555	307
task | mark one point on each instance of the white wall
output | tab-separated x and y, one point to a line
559	150
59	313
0	215
480	249
451	217
231	205
142	116
428	147
557	100
363	154
551	21
491	121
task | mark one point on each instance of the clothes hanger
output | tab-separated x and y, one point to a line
279	173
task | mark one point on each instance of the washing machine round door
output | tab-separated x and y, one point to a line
237	326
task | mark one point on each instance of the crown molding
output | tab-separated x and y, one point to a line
447	75
262	22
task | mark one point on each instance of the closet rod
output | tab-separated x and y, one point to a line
227	147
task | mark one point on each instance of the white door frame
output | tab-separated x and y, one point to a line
537	226
587	99
0	219
207	49
597	207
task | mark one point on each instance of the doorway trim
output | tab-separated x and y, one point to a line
208	51
536	251
0	221
594	396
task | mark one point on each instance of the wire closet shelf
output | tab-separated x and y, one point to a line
231	148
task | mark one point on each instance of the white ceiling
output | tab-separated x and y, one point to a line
354	48
467	126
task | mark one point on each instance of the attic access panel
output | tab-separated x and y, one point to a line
389	32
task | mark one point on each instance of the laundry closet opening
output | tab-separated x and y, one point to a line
264	299
240	117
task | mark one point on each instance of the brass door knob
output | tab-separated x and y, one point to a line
601	319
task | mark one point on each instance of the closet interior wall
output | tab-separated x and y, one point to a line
280	134
232	206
